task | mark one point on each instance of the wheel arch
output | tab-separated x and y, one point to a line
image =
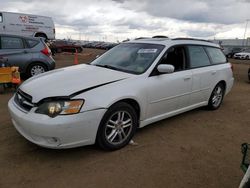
27	67
41	34
33	62
133	103
223	82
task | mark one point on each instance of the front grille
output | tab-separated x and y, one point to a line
23	100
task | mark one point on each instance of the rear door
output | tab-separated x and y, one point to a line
14	49
203	73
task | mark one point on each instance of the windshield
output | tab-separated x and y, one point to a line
134	58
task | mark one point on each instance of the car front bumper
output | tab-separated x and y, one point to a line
239	57
63	131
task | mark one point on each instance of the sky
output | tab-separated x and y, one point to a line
117	20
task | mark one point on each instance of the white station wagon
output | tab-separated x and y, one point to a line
132	85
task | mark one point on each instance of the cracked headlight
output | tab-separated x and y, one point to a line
54	108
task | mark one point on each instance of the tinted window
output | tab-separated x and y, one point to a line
216	55
32	43
11	43
198	57
176	57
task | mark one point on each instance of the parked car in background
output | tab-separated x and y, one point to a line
130	86
30	54
229	52
58	46
27	25
242	55
99	45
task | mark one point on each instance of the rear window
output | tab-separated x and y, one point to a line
11	43
198	57
216	55
32	43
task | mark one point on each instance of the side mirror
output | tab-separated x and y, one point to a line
165	68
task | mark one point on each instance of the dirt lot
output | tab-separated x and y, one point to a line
197	149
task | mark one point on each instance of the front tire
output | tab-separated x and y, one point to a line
216	97
117	127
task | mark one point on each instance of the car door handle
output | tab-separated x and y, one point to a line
25	51
214	72
187	78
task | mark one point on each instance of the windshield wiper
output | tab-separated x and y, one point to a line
107	66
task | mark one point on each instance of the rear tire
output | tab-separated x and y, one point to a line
79	50
117	127
216	97
35	69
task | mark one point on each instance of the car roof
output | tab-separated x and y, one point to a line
175	41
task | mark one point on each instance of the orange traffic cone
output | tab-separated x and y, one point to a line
76	58
15	75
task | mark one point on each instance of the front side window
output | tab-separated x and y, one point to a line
11	43
134	58
197	57
216	55
176	57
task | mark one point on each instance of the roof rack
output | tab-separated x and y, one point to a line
159	36
139	38
191	39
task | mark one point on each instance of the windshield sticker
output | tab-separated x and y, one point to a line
147	51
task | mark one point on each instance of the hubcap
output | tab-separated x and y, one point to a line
118	127
37	69
217	96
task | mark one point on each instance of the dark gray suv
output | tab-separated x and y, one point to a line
30	54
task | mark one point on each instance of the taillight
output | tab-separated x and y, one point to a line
46	51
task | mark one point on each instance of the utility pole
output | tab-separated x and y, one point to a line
245	32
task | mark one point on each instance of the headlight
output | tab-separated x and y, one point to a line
55	108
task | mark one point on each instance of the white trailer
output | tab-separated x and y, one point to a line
27	25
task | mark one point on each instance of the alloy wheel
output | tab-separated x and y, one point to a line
36	69
118	127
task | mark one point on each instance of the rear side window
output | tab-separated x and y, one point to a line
11	43
32	43
216	55
198	57
1	17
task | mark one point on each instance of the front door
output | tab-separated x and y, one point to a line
169	93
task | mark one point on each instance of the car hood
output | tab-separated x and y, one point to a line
70	81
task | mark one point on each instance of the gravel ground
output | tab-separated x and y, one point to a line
199	148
